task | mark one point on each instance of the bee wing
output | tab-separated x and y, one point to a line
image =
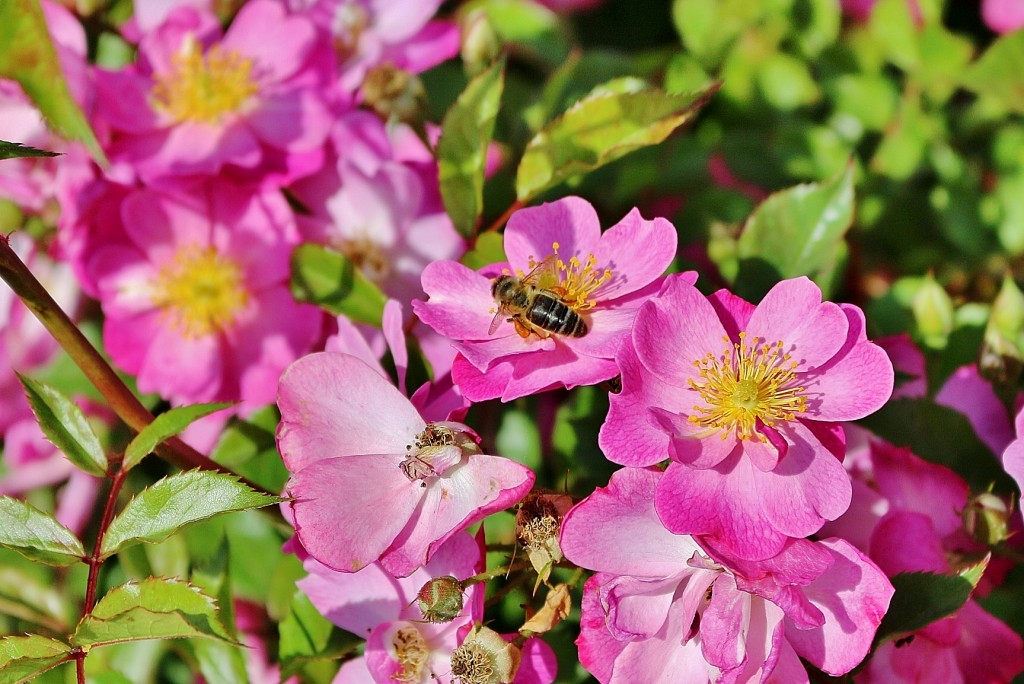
498	319
547	267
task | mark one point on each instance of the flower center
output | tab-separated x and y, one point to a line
746	384
575	281
367	256
204	87
411	652
350	20
202	291
432	453
472	664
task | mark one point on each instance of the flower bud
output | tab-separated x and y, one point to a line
440	599
485	658
480	44
986	519
395	93
933	313
1003	348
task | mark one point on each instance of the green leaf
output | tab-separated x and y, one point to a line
164	426
327	278
159	511
219	662
24	657
999	73
153	608
31	596
13	150
489	249
28	57
600	129
36	535
796	231
66	426
462	150
929	429
921	598
307	637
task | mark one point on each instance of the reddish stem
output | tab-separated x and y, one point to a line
503	219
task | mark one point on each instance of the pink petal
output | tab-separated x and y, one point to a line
633	541
560	367
907	542
539	664
531	232
675	329
479	386
628	436
503	347
637	252
972	395
349	509
278	44
912	484
335	405
196	381
854	596
792	311
460	305
293	120
988	650
467	493
691	444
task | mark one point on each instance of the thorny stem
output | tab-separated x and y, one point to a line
95	560
127	407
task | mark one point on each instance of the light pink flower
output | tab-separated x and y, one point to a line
662	609
1003	16
914	525
194	286
603	277
369	33
371	479
1013	457
745	400
196	103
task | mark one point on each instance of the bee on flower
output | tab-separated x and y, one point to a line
556	312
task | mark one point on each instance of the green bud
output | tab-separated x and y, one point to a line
440	599
986	519
933	313
480	44
1003	348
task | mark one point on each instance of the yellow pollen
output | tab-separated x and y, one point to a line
576	280
204	88
201	291
745	384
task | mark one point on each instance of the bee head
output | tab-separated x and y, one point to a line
502	286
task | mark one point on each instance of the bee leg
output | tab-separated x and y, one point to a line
521	328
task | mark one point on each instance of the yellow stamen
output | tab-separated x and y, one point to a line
747	383
411	652
201	291
576	280
204	88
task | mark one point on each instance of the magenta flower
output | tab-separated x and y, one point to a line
602	278
744	399
661	608
369	33
195	291
197	102
372	480
1003	16
1013	457
913	524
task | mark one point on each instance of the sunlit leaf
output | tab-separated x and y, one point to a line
28	57
22	658
489	249
37	535
153	608
795	231
462	150
13	150
159	511
166	425
999	73
600	129
66	426
327	278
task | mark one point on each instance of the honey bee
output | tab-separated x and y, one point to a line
534	308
